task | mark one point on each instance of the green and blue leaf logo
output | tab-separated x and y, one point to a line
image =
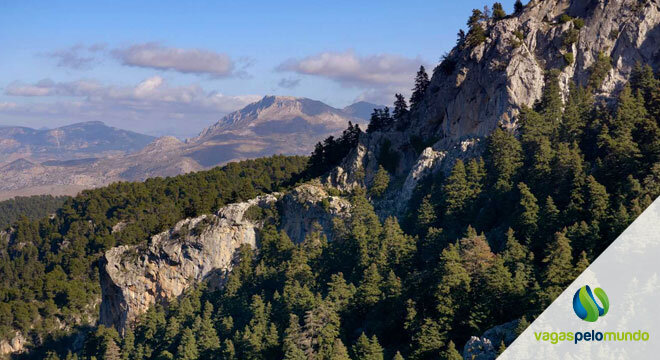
585	305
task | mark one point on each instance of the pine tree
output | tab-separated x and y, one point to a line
366	349
340	293
172	330
550	104
476	33
498	285
451	353
207	337
559	266
454	286
643	80
576	113
321	329
581	264
425	215
504	158
399	248
187	349
528	211
597	199
293	339
112	351
501	349
369	292
421	84
339	351
428	342
567	166
128	344
458	194
549	216
519	261
498	11
533	126
228	350
522	325
380	183
475	253
616	140
398	356
599	70
400	111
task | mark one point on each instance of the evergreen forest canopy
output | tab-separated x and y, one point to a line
32	207
48	267
495	240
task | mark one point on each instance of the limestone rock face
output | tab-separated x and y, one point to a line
133	278
14	345
481	87
477	88
486	346
308	205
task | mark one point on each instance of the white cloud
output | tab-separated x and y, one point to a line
194	61
380	76
148	106
350	69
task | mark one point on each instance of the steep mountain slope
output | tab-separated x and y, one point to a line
76	141
479	87
273	125
487	244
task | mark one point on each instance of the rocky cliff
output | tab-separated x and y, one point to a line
133	278
477	88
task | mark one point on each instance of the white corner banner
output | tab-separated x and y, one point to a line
611	311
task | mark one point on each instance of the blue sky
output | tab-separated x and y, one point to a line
174	67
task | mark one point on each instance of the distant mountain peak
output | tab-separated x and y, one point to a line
362	109
74	141
18	165
163	143
282	114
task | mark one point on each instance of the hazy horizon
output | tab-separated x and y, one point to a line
79	61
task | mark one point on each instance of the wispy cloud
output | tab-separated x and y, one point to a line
78	57
191	61
150	104
378	74
288	83
349	69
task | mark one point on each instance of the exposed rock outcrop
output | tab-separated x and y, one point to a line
486	346
483	86
308	205
14	345
133	278
477	88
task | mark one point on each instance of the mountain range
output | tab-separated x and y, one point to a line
76	141
516	165
65	160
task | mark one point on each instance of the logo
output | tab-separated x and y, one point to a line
585	305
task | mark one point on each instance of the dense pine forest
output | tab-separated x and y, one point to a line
492	241
32	207
495	240
48	267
